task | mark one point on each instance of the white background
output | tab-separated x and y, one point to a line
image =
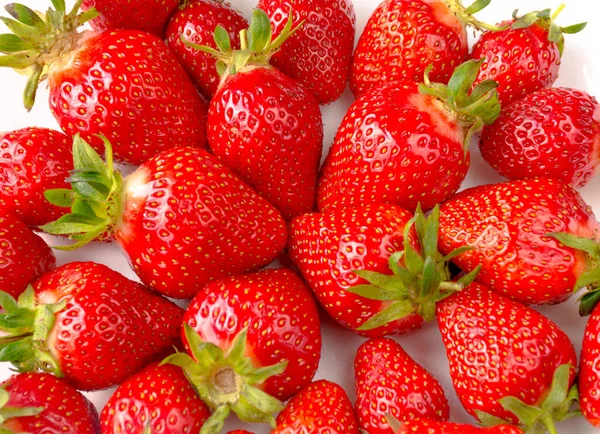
581	69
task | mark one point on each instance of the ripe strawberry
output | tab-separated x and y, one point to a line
158	397
589	372
24	256
523	56
182	218
251	340
389	381
40	403
402	146
196	22
319	55
509	226
424	426
123	84
507	361
321	407
88	324
239	431
553	133
33	160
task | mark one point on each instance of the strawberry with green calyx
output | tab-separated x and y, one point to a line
8	412
589	374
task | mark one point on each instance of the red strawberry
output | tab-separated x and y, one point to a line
42	404
319	55
402	146
321	407
424	426
251	340
239	431
24	256
182	218
196	22
389	381
523	56
88	324
160	398
552	133
509	228
33	160
507	361
123	84
589	372
148	15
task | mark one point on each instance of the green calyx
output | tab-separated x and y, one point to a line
475	107
257	44
419	283
555	406
7	412
25	327
37	41
94	198
465	14
226	381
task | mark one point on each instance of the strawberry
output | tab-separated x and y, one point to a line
33	160
321	407
239	431
507	361
389	381
553	133
196	22
159	398
524	55
589	374
182	218
88	324
251	340
319	55
263	125
41	403
424	426
509	226
406	147
122	84
24	256
150	16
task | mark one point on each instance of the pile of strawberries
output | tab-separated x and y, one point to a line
222	118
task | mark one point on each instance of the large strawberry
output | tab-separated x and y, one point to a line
160	398
552	133
182	218
38	403
507	361
509	228
390	382
319	55
524	55
24	256
251	340
589	372
424	426
123	84
264	125
88	324
321	407
33	160
196	22
402	146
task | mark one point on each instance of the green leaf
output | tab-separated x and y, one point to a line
86	16
589	302
481	90
27	33
17	351
25	15
430	239
59	5
462	80
14	412
431	279
85	158
575	28
222	39
73	223
214	424
469	278
221	67
19	321
555	35
21	60
32	86
259	32
559	389
455	253
590	280
8	303
256	406
489	420
526	21
478	6
373	292
584	244
238	347
60	197
527	414
394	263
10	43
414	261
260	375
27	298
386	282
394	312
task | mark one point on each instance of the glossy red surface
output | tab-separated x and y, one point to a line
589	371
430	427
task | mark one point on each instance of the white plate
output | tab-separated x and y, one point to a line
581	67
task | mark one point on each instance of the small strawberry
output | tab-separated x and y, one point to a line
507	361
319	55
196	22
42	404
122	84
553	133
524	55
509	228
389	381
251	340
24	256
406	145
589	371
88	324
33	160
321	407
424	426
160	398
182	218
